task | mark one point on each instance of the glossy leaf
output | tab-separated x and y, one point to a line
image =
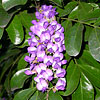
86	58
84	91
5	67
68	8
38	96
1	32
73	76
66	24
97	22
4	17
97	94
73	14
26	39
73	39
87	33
8	54
20	76
16	28
24	94
54	96
7	82
83	10
26	19
57	2
92	16
94	43
8	4
22	63
92	73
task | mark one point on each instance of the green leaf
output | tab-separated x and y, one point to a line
66	24
7	82
1	32
20	76
73	76
92	16
8	54
26	19
83	10
38	96
97	22
15	31
5	67
54	96
97	97
57	2
86	58
26	39
84	91
68	8
22	63
87	33
73	39
94	5
4	17
92	73
8	4
73	14
24	94
0	46
94	43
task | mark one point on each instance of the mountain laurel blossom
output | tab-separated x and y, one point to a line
46	47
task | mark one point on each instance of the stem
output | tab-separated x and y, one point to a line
47	95
81	22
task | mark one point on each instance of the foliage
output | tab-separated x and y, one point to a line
81	21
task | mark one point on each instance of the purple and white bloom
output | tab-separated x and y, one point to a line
32	50
52	47
29	72
42	85
45	37
48	60
61	83
58	56
60	72
46	47
40	55
47	74
56	65
63	62
39	68
38	77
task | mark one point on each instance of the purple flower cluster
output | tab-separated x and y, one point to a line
45	50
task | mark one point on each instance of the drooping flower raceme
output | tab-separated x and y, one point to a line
46	47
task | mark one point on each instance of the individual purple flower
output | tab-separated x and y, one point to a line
42	85
32	50
38	77
47	74
58	56
40	55
63	62
61	83
48	60
60	72
52	47
29	72
39	68
56	65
